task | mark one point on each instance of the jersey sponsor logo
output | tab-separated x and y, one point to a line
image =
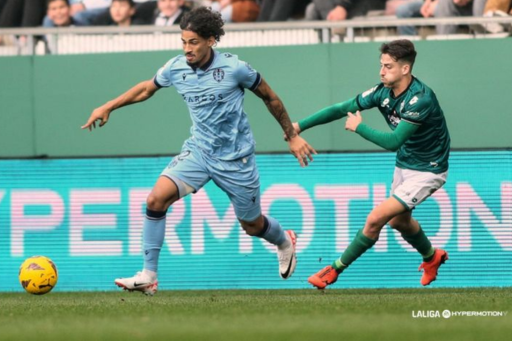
434	164
203	98
412	114
394	119
385	103
218	75
367	92
413	100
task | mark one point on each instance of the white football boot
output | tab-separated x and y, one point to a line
140	282
287	257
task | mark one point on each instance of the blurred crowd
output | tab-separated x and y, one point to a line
61	13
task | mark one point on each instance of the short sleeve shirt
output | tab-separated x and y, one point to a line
214	95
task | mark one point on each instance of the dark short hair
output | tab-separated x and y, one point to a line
130	2
400	50
50	1
203	21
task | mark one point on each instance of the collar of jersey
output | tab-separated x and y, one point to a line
209	63
406	89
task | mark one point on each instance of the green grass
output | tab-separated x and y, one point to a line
384	314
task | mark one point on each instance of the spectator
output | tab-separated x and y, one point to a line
457	8
415	9
497	8
235	10
59	12
245	10
2	4
83	5
84	12
281	10
337	10
92	12
169	12
22	13
120	13
276	10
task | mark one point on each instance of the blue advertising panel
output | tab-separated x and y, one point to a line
87	214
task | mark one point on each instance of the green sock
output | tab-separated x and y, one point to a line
338	265
421	243
357	247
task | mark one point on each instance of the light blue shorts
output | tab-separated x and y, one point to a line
239	179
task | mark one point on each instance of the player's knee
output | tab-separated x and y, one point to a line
251	228
154	203
375	221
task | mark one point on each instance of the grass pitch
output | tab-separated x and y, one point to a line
246	315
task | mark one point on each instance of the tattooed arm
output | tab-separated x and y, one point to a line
298	146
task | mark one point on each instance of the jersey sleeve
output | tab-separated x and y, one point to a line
246	76
417	109
162	78
369	98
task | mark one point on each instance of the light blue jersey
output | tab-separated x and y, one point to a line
214	95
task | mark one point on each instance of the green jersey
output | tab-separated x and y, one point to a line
429	147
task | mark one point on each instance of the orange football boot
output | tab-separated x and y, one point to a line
324	277
430	268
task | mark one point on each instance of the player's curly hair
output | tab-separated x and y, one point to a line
400	50
203	21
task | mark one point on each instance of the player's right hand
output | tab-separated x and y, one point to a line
99	114
297	130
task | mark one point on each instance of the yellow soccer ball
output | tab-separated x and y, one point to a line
38	275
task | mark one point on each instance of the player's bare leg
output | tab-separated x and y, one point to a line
364	240
269	229
164	193
413	233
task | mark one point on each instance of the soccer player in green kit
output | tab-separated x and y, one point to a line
420	137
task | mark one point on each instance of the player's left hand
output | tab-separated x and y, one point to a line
301	150
353	121
296	127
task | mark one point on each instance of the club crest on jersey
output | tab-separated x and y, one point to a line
218	75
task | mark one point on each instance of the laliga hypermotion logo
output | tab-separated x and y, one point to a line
454	313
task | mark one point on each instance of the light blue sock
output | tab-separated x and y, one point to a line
273	232
153	238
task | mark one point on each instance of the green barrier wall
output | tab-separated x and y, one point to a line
44	100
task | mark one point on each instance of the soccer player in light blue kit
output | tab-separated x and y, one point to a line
221	147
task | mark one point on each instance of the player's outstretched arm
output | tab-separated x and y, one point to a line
138	93
328	114
390	141
298	146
